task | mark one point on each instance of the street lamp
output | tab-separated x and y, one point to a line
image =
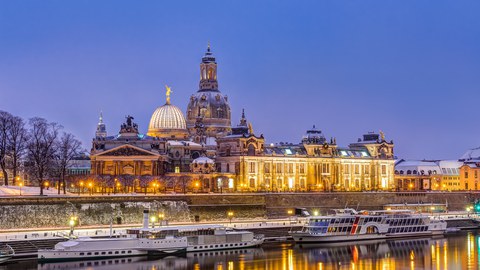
290	213
153	219
230	215
90	185
161	216
197	185
72	222
80	188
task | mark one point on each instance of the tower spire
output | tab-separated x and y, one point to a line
243	120
101	128
208	71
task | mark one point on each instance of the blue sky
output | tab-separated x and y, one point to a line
409	68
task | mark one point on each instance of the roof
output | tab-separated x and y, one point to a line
471	154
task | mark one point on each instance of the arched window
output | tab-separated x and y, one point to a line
422	172
251	150
401	171
414	171
396	172
409	172
228	167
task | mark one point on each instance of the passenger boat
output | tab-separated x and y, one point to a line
157	241
208	237
350	225
6	253
141	242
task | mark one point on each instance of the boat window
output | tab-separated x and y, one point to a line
96	253
123	251
116	252
109	252
81	254
89	253
103	253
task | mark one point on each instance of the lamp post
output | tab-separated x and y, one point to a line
71	222
290	213
21	185
230	216
152	220
161	216
90	185
80	188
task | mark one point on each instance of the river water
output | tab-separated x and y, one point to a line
457	251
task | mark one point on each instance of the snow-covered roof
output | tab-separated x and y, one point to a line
419	166
471	154
203	160
450	167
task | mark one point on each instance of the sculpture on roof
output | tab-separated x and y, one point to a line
168	93
382	135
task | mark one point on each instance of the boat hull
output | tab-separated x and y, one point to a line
308	238
224	246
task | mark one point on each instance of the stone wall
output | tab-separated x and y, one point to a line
36	212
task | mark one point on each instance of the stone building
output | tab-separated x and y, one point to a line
203	152
423	175
312	165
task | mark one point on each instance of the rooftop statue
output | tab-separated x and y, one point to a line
168	92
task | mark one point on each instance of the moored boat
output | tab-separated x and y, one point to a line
350	225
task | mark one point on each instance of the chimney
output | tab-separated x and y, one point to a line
145	218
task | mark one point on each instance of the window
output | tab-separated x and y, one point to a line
251	167
346	168
228	167
366	169
302	168
177	169
466	174
384	169
475	173
290	168
267	167
325	168
279	167
357	170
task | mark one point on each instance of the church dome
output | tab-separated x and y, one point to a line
168	122
209	105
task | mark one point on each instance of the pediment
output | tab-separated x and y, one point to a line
127	150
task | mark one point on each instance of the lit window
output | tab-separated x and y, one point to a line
177	169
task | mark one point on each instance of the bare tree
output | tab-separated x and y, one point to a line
67	148
5	121
41	146
17	142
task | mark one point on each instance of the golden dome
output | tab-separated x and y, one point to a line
168	122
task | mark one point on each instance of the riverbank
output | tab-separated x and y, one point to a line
55	211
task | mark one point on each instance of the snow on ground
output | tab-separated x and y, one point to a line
28	191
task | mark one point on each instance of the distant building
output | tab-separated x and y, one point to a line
470	169
423	175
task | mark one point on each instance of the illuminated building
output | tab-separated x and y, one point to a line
205	152
417	175
313	164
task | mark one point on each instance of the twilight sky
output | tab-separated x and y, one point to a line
410	68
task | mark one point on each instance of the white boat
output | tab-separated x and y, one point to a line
143	242
350	225
209	237
6	253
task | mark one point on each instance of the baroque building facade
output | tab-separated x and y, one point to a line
202	152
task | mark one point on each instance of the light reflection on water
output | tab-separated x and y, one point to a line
458	251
